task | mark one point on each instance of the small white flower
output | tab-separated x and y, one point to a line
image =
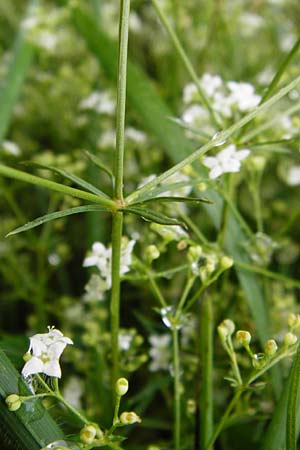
227	160
195	115
190	93
243	95
101	258
45	350
293	176
211	83
107	139
11	148
160	352
100	102
135	135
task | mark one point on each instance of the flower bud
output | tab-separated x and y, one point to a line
226	262
226	328
128	418
191	406
243	337
121	386
202	187
152	253
290	339
270	347
89	433
294	320
13	402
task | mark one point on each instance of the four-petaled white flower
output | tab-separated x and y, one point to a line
227	160
44	352
101	258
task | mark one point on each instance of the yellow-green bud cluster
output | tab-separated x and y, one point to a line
243	337
270	347
294	321
226	329
129	418
152	253
226	262
13	402
290	339
89	433
121	386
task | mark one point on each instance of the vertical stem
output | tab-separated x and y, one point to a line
117	218
206	364
117	226
121	97
177	388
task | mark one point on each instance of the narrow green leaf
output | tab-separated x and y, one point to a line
97	161
28	178
170	199
27	429
10	88
77	180
291	433
56	215
153	216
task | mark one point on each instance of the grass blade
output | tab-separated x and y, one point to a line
170	199
11	86
291	433
153	216
29	431
56	215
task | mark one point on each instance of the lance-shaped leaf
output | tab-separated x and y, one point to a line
56	215
174	199
70	176
153	216
52	185
31	427
98	163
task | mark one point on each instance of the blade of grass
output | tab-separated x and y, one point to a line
291	433
28	430
21	59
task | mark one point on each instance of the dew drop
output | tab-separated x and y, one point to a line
216	137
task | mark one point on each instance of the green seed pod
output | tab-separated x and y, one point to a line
121	386
13	402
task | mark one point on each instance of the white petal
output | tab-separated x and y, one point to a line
226	153
37	346
90	261
242	154
210	162
34	365
215	172
98	248
52	368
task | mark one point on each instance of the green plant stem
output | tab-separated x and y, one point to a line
186	62
224	418
184	295
117	219
121	97
206	363
116	411
117	228
177	388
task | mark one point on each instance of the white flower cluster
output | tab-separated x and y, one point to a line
101	258
44	352
160	352
226	98
100	102
226	161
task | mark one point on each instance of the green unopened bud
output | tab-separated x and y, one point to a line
13	402
27	356
294	320
226	262
270	347
152	253
89	433
243	337
257	162
290	339
226	328
121	386
191	406
202	187
182	245
129	418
